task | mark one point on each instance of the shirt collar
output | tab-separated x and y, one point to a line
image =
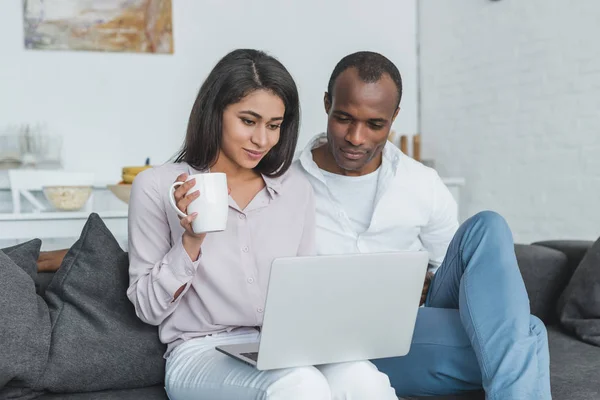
273	184
391	156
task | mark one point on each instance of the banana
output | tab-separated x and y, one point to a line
129	173
134	170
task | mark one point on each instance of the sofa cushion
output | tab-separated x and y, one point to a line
579	305
43	280
574	367
574	249
544	272
25	255
478	395
24	329
98	342
19	393
149	393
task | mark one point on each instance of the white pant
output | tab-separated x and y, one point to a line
196	371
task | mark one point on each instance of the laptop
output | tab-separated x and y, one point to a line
331	309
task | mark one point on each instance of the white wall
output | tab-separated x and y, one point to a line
511	101
116	109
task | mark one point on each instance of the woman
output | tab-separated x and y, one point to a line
205	290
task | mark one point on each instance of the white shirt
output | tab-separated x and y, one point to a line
413	209
355	195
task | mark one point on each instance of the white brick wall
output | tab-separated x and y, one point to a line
511	101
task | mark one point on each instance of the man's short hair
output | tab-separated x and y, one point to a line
371	66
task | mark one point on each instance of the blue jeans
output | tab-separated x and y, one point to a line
476	329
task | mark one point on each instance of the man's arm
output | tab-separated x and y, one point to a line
428	278
50	261
442	224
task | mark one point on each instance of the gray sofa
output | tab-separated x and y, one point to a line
546	268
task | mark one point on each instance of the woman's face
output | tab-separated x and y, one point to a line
251	128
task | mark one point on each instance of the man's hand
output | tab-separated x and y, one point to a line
428	278
50	261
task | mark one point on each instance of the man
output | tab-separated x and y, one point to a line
475	329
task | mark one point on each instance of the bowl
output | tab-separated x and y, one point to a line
122	191
67	198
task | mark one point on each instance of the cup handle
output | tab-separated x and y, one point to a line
172	199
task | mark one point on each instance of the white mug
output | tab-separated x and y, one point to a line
213	204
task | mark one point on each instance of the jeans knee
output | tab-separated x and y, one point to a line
489	224
490	219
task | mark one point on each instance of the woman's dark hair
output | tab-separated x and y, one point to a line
236	75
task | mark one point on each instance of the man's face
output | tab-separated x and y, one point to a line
360	116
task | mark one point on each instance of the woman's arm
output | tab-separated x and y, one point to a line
159	271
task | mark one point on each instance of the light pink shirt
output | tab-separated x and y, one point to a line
226	287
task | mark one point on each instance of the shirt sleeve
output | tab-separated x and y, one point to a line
442	224
307	245
157	267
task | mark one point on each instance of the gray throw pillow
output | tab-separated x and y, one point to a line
24	331
545	274
25	255
98	342
19	393
579	305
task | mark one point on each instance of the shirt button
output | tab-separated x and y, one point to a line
250	280
189	271
260	310
245	249
242	216
341	214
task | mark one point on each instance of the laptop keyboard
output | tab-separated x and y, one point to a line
253	356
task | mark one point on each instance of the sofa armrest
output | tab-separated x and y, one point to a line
573	249
545	274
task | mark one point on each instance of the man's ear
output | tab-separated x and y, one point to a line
395	114
327	103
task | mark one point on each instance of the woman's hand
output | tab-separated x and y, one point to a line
191	240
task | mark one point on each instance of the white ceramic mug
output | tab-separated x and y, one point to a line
213	204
